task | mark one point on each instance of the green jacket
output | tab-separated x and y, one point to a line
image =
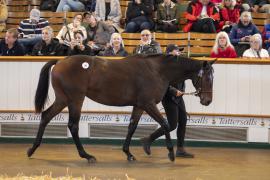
173	13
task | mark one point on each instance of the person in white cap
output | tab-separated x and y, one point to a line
31	30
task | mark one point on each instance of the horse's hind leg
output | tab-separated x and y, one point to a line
46	117
135	117
153	111
73	125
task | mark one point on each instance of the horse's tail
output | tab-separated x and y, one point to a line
43	86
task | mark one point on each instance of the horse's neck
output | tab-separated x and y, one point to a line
182	70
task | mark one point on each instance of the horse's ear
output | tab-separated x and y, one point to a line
212	62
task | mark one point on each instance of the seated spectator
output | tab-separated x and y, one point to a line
266	35
66	34
90	6
223	47
98	33
241	32
10	45
30	30
147	44
202	16
256	5
116	47
71	5
109	12
173	49
256	50
48	5
139	16
157	2
49	46
229	15
167	17
78	45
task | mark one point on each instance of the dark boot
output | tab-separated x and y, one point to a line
146	143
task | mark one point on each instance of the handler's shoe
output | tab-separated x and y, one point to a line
146	145
183	154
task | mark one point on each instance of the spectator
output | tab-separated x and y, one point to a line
229	15
109	12
167	17
202	16
116	47
98	33
175	109
49	5
90	6
71	5
139	16
49	46
256	50
78	45
30	30
147	45
266	34
66	34
173	49
10	45
241	32
157	2
223	47
256	5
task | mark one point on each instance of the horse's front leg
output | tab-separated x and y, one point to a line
134	119
153	111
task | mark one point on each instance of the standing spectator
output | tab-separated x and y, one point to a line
49	46
223	47
256	50
147	44
202	16
139	16
71	5
30	30
10	45
175	109
98	33
116	47
109	12
167	17
229	15
66	34
241	32
78	45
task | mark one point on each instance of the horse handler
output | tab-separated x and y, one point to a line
174	106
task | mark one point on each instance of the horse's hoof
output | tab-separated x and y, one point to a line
30	152
171	156
146	145
131	158
92	160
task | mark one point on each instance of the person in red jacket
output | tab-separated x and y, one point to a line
202	16
229	15
223	47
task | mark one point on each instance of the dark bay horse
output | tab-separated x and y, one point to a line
139	81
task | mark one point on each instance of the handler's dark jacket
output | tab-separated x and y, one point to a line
52	49
152	48
171	92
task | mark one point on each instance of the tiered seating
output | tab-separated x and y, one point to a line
260	19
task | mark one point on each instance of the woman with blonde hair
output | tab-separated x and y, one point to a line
116	47
223	47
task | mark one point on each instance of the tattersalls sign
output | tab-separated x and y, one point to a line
114	118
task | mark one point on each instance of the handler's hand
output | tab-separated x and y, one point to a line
179	93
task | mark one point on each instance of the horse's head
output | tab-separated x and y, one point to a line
203	82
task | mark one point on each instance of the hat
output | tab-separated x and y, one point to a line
35	14
171	47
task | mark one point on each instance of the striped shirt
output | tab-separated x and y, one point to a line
30	29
